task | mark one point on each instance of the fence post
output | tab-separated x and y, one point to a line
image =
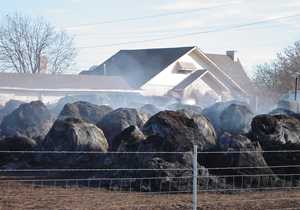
195	177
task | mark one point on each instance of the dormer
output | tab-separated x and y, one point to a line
184	67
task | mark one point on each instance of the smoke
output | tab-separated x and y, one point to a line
189	101
138	67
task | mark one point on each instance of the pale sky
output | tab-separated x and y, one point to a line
101	28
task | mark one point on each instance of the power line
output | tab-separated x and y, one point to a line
226	28
150	16
137	35
131	34
143	33
140	33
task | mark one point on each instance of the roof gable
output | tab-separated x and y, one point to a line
234	69
139	66
189	80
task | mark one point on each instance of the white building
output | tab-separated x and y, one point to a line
49	88
186	73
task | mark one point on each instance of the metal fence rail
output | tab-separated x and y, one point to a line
65	182
188	187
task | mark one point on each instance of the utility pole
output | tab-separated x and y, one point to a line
104	69
195	177
296	88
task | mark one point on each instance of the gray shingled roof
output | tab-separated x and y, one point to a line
139	66
234	69
62	81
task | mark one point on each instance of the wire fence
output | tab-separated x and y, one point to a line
148	180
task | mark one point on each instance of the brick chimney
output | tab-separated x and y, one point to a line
43	64
231	54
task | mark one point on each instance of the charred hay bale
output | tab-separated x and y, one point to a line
240	160
281	111
125	157
127	138
116	121
72	134
86	111
279	132
32	120
149	109
190	109
236	119
162	171
17	143
179	131
233	117
9	107
166	154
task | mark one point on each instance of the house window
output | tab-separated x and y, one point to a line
184	68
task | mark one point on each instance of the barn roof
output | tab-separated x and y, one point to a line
139	66
61	81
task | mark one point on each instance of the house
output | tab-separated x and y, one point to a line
185	73
47	87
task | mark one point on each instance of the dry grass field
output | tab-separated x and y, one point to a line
18	196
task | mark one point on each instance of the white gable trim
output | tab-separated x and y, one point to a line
206	72
173	63
229	84
177	89
220	70
220	82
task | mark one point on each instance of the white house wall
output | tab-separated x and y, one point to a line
206	91
201	93
198	85
167	79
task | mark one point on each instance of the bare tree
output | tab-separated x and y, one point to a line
27	45
280	74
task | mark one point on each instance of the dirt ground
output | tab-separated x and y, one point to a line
15	196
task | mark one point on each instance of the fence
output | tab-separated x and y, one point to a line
158	185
